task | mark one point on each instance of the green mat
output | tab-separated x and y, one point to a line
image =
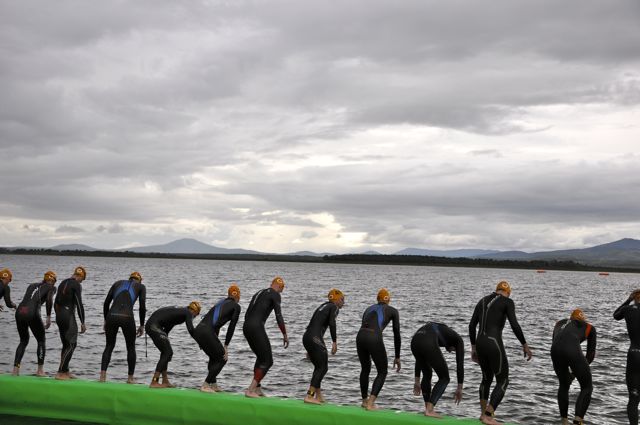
114	403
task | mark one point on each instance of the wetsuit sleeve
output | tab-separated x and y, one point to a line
52	291
143	304
556	328
396	332
619	313
474	324
332	322
460	360
591	345
189	321
78	300
107	302
7	297
515	326
417	370
278	312
232	325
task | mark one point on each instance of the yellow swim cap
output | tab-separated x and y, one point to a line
234	291
136	275
578	314
195	306
335	294
6	274
80	271
50	275
384	296
278	281
504	286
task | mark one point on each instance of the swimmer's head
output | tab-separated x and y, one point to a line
6	276
636	295
278	284
50	277
194	307
336	296
136	275
578	314
384	296
234	292
504	287
80	272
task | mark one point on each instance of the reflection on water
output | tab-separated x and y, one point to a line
419	293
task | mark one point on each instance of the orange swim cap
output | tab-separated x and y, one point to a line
578	314
6	274
384	296
504	286
50	275
195	307
234	291
335	294
136	275
278	281
80	271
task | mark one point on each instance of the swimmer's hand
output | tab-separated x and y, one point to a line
416	386
140	331
474	354
527	352
457	396
48	324
285	340
226	354
396	364
83	328
334	347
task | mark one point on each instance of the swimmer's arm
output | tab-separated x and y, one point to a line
591	345
49	307
619	313
460	360
232	325
7	297
77	297
107	302
143	304
396	332
189	321
515	326
332	323
474	324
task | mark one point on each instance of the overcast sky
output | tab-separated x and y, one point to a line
336	126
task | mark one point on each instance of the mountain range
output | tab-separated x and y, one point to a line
621	253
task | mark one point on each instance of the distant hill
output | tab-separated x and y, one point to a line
74	247
310	253
189	246
453	253
622	253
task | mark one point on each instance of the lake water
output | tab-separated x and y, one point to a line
419	293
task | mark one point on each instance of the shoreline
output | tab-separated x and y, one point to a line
381	259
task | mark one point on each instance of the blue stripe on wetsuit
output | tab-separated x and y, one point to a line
129	289
216	312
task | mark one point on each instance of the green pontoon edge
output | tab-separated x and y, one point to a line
115	403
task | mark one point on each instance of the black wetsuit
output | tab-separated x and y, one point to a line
491	313
5	292
260	307
425	346
568	359
124	294
68	299
631	314
160	324
207	331
370	345
313	340
28	317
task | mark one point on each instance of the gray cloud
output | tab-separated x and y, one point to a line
416	123
69	229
